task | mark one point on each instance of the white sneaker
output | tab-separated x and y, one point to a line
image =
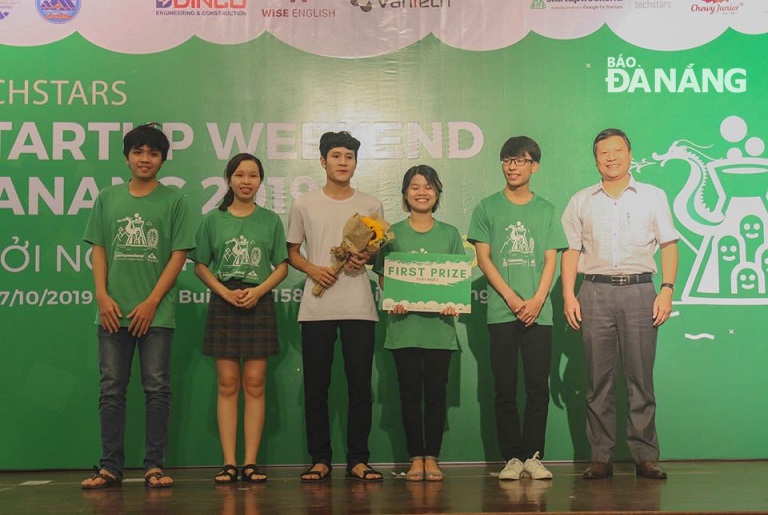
535	469
512	469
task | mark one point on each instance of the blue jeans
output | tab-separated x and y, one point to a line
115	357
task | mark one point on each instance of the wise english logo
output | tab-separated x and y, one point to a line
58	11
368	5
297	9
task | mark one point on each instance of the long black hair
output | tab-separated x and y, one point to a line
232	165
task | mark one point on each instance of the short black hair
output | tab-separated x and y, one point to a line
609	133
430	174
517	146
343	139
148	134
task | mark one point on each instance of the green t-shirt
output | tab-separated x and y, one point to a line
416	329
139	234
244	248
519	236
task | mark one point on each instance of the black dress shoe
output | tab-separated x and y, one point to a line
651	470
598	470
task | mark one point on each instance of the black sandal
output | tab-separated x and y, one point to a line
230	471
158	476
247	477
109	481
367	472
316	476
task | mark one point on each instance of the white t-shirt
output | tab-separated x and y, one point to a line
318	221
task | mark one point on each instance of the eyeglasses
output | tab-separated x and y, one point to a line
519	161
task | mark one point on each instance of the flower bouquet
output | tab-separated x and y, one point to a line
361	234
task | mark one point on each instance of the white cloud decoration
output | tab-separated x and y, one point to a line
360	28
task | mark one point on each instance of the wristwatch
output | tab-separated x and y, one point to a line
668	285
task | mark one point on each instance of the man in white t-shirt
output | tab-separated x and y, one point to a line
346	306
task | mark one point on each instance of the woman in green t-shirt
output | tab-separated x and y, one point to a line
241	256
422	343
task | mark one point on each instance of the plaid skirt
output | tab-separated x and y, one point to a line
232	332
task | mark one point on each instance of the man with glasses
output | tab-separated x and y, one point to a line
517	236
613	230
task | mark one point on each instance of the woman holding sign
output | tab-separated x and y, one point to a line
422	343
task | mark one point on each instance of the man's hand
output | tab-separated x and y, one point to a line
662	307
529	311
109	313
322	275
514	303
357	261
141	318
572	310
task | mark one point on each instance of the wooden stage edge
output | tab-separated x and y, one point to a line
693	487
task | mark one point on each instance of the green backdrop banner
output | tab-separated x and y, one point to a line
417	82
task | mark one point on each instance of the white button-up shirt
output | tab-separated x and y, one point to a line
618	235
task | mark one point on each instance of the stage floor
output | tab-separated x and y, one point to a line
692	487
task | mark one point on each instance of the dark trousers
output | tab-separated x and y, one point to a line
318	340
423	376
618	328
508	341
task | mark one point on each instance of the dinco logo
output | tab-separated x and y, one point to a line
368	5
201	4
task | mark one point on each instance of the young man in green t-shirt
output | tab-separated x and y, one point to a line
516	236
140	233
